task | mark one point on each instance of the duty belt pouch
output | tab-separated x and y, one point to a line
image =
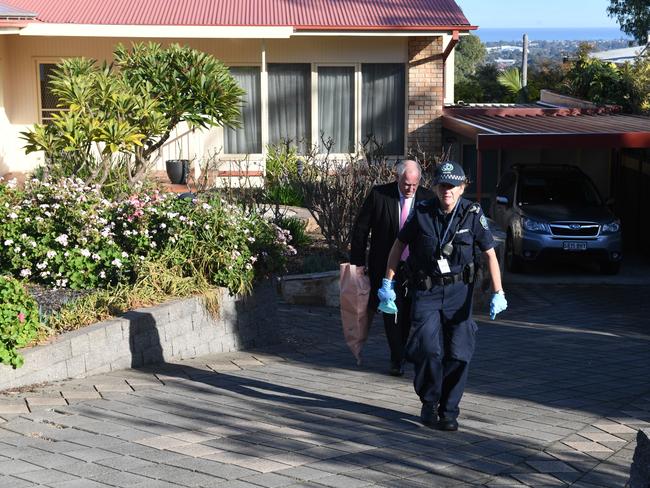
469	273
403	278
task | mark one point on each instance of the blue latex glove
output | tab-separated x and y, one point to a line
387	290
387	296
497	304
388	306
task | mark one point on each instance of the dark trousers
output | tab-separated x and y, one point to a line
397	330
442	345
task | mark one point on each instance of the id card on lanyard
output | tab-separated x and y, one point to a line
443	264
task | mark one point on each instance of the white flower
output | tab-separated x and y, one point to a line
116	262
25	273
9	242
13	215
102	274
153	244
32	243
163	225
85	253
62	239
42	265
182	218
95	256
125	254
17	249
251	239
206	206
50	254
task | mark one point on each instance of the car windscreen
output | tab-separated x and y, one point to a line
557	188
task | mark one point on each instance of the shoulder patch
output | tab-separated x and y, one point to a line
483	221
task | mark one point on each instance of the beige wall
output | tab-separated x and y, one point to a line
18	68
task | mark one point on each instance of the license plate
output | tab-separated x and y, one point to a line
574	246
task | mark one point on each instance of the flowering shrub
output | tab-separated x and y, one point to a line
68	235
18	320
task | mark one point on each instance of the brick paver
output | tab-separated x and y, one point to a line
557	390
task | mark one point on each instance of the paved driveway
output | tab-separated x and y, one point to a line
558	387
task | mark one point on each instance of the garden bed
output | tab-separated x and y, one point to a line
174	330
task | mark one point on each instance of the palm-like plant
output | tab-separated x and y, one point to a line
510	79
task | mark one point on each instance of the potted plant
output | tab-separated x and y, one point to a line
178	169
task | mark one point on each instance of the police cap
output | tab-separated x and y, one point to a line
449	172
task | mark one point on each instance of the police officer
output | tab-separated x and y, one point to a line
444	234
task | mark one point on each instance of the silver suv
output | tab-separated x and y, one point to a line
549	211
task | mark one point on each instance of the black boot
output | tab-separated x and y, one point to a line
428	414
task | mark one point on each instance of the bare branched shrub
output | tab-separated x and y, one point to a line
331	187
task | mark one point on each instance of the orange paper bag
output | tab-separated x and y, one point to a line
355	317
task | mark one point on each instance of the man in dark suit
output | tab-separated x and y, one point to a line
382	215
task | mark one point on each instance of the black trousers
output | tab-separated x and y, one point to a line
397	330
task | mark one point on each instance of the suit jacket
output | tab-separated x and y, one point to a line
379	217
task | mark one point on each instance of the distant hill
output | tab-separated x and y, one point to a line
555	50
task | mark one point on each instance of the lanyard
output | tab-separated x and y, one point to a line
444	236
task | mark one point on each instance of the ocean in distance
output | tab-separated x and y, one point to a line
550	34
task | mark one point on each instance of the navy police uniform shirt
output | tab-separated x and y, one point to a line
426	226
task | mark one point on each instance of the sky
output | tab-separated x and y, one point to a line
534	13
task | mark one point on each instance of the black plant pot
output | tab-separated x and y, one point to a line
177	170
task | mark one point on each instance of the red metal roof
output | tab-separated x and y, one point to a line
529	127
301	14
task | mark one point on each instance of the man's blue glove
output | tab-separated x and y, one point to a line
498	304
387	297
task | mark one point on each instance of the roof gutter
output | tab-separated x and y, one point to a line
157	31
631	140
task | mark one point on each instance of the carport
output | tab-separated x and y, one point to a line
613	148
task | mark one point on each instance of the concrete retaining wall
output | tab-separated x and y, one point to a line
173	330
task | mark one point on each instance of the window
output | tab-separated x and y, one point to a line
246	139
290	104
383	94
48	100
336	108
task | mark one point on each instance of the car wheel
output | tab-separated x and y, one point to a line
514	263
610	267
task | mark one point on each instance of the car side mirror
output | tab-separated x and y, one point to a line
501	200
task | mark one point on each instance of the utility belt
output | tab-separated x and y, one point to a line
424	282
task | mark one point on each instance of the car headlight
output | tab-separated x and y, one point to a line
611	228
535	226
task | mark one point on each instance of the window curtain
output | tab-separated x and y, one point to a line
382	106
336	108
290	105
246	139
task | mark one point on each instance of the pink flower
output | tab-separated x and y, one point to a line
21	317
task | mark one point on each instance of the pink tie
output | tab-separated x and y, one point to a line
402	218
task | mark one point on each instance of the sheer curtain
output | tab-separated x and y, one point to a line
336	107
290	104
246	139
382	105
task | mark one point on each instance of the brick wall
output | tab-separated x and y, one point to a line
425	94
173	330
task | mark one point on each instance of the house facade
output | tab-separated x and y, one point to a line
348	70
